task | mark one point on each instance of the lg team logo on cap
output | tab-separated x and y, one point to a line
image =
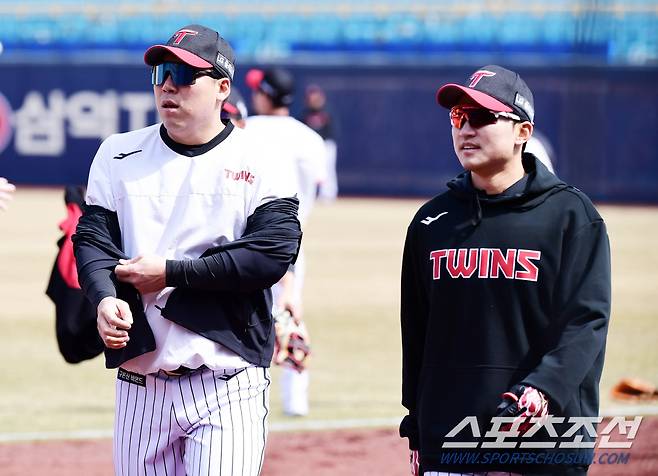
524	104
180	34
478	75
6	116
223	62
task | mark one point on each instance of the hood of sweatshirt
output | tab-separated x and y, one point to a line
537	185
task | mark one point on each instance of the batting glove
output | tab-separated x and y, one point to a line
414	462
522	402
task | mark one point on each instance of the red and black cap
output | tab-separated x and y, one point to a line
277	83
495	88
234	107
198	46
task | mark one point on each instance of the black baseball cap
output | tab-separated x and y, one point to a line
277	83
495	88
198	46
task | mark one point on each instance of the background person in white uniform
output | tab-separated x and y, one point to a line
298	154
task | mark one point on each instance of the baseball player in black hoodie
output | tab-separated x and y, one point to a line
505	300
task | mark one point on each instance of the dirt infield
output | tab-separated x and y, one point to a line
319	453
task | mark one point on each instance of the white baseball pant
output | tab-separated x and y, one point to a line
206	422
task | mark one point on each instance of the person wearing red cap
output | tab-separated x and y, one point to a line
505	301
298	152
234	109
183	234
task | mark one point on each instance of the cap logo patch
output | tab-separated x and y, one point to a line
180	34
524	104
478	75
224	62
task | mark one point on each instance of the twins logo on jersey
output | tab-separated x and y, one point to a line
486	263
241	175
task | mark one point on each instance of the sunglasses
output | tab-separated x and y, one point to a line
477	116
181	74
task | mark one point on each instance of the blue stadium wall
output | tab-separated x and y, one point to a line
393	139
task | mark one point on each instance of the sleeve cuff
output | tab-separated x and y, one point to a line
173	271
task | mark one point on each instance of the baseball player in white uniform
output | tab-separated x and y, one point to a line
200	233
298	153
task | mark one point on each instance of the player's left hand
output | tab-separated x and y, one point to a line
295	310
291	342
146	273
522	402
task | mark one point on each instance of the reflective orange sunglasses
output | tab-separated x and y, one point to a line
477	116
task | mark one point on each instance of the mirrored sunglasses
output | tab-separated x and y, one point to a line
477	116
181	74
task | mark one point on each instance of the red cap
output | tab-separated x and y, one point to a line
254	78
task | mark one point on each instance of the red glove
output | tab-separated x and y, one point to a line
414	462
522	402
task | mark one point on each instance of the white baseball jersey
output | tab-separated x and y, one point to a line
176	206
299	155
536	148
296	150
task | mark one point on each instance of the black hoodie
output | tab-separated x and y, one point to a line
496	291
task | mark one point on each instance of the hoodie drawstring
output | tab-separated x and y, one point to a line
477	212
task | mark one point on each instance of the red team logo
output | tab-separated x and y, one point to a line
486	262
180	34
478	75
241	175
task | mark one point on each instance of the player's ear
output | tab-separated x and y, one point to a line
522	132
223	89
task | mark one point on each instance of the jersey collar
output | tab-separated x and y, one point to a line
194	150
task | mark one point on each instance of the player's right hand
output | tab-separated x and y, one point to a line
113	320
414	462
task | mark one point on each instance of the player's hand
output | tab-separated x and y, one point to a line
146	273
414	462
6	193
295	310
113	320
286	299
522	402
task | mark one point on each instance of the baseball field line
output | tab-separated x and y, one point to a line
295	425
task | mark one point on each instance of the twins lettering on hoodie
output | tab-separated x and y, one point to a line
485	263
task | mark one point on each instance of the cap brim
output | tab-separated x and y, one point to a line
254	78
154	55
230	108
450	94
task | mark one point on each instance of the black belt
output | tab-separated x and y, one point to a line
182	370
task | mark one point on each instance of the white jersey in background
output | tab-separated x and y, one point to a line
295	150
297	153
